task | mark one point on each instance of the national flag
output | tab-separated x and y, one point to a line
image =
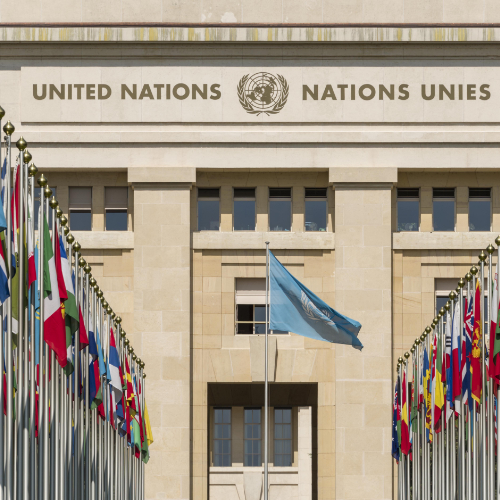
54	327
14	207
405	436
71	318
421	377
456	357
475	362
437	388
4	185
494	366
114	369
448	368
30	244
414	395
427	395
148	435
467	352
4	280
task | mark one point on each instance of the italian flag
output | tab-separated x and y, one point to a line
53	320
71	317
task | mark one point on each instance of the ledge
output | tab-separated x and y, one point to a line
105	240
234	33
215	240
443	240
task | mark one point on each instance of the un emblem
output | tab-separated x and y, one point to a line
263	93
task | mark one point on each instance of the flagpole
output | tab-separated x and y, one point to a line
80	270
491	425
88	415
484	470
9	457
33	474
266	385
461	417
2	427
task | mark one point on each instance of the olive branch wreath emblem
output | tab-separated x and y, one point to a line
247	106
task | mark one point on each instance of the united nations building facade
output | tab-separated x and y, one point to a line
359	138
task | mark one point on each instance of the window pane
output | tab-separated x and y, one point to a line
208	215
218	416
226	461
116	220
260	328
244	215
440	302
278	432
280	215
245	328
260	313
316	215
287	415
245	312
444	215
408	215
479	215
277	460
80	220
248	416
226	416
256	416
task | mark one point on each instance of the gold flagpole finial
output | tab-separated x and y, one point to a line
53	203
32	170
2	112
21	144
8	128
27	156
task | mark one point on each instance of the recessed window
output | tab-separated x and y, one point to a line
443	209
80	208
316	209
283	437
408	209
252	438
244	209
479	209
115	206
208	209
222	437
251	306
280	209
38	194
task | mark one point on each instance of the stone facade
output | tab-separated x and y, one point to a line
176	287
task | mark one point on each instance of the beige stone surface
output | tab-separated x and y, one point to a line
363	380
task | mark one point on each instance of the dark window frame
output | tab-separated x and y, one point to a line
321	195
283	439
252	439
240	197
274	195
219	457
208	195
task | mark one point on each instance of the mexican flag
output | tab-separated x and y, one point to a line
53	320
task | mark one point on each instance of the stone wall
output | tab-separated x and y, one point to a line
241	12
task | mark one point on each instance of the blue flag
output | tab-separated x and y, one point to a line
294	308
395	441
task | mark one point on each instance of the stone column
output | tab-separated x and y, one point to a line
363	259
162	308
305	452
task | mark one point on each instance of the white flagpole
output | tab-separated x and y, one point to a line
4	309
266	385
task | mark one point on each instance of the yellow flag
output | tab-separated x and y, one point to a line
149	433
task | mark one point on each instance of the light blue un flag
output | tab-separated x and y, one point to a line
294	308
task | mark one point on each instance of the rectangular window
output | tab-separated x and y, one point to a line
280	209
38	193
408	205
479	209
443	209
208	209
316	209
283	437
80	208
244	209
222	437
251	306
115	205
252	438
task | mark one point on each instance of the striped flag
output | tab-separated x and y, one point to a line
114	369
467	351
405	436
475	360
54	327
455	358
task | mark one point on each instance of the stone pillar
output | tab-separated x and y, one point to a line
305	452
363	258
162	308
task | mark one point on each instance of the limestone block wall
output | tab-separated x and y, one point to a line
240	12
218	355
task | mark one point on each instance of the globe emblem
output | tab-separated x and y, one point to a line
263	93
